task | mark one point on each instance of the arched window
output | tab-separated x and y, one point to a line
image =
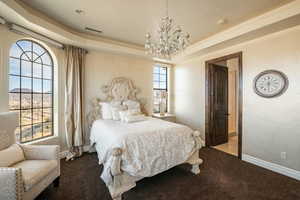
31	89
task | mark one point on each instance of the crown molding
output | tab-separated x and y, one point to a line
274	16
38	22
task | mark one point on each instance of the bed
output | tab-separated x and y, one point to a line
132	151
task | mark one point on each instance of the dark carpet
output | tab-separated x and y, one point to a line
222	177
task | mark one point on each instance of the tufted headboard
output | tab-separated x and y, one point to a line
119	89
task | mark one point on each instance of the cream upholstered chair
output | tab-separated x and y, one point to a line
25	170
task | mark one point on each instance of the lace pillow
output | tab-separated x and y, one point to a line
135	118
125	113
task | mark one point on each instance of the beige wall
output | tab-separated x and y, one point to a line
100	69
270	126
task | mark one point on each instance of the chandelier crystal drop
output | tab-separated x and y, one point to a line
171	39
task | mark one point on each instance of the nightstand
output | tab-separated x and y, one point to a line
167	117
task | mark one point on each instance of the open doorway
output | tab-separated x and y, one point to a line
223	129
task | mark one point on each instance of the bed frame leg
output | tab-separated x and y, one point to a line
118	198
195	169
195	161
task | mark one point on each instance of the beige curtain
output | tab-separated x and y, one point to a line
74	64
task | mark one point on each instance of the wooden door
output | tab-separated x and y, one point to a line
219	104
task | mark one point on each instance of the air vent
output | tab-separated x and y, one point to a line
93	30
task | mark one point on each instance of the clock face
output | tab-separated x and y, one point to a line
270	83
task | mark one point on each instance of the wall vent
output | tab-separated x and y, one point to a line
93	30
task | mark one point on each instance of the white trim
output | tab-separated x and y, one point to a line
42	141
272	166
21	30
276	15
36	22
65	35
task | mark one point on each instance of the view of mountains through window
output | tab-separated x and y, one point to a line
31	89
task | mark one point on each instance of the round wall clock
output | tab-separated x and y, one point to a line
270	83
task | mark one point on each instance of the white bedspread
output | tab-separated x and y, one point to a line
149	147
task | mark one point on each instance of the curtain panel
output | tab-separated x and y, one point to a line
74	112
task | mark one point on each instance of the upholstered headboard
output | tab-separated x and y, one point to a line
119	89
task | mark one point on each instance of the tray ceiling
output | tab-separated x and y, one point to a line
128	21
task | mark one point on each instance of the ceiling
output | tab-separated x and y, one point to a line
129	21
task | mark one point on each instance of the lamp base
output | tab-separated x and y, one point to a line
162	114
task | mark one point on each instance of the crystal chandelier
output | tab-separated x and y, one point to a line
171	40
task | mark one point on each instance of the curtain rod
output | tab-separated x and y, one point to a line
25	31
86	51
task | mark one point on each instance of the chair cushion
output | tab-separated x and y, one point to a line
33	171
11	155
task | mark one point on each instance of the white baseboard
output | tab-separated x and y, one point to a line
272	166
63	154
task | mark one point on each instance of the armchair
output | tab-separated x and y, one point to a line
25	170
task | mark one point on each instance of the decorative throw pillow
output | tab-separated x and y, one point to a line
125	113
11	155
135	118
106	110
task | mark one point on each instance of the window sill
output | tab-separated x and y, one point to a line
157	115
42	141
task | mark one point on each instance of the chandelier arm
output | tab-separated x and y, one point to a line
171	40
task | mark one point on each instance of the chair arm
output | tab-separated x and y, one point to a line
41	152
11	183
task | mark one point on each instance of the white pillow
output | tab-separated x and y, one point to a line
106	110
135	118
125	113
116	111
115	103
130	104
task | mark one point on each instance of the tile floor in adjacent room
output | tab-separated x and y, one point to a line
230	147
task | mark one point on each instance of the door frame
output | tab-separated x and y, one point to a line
208	122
